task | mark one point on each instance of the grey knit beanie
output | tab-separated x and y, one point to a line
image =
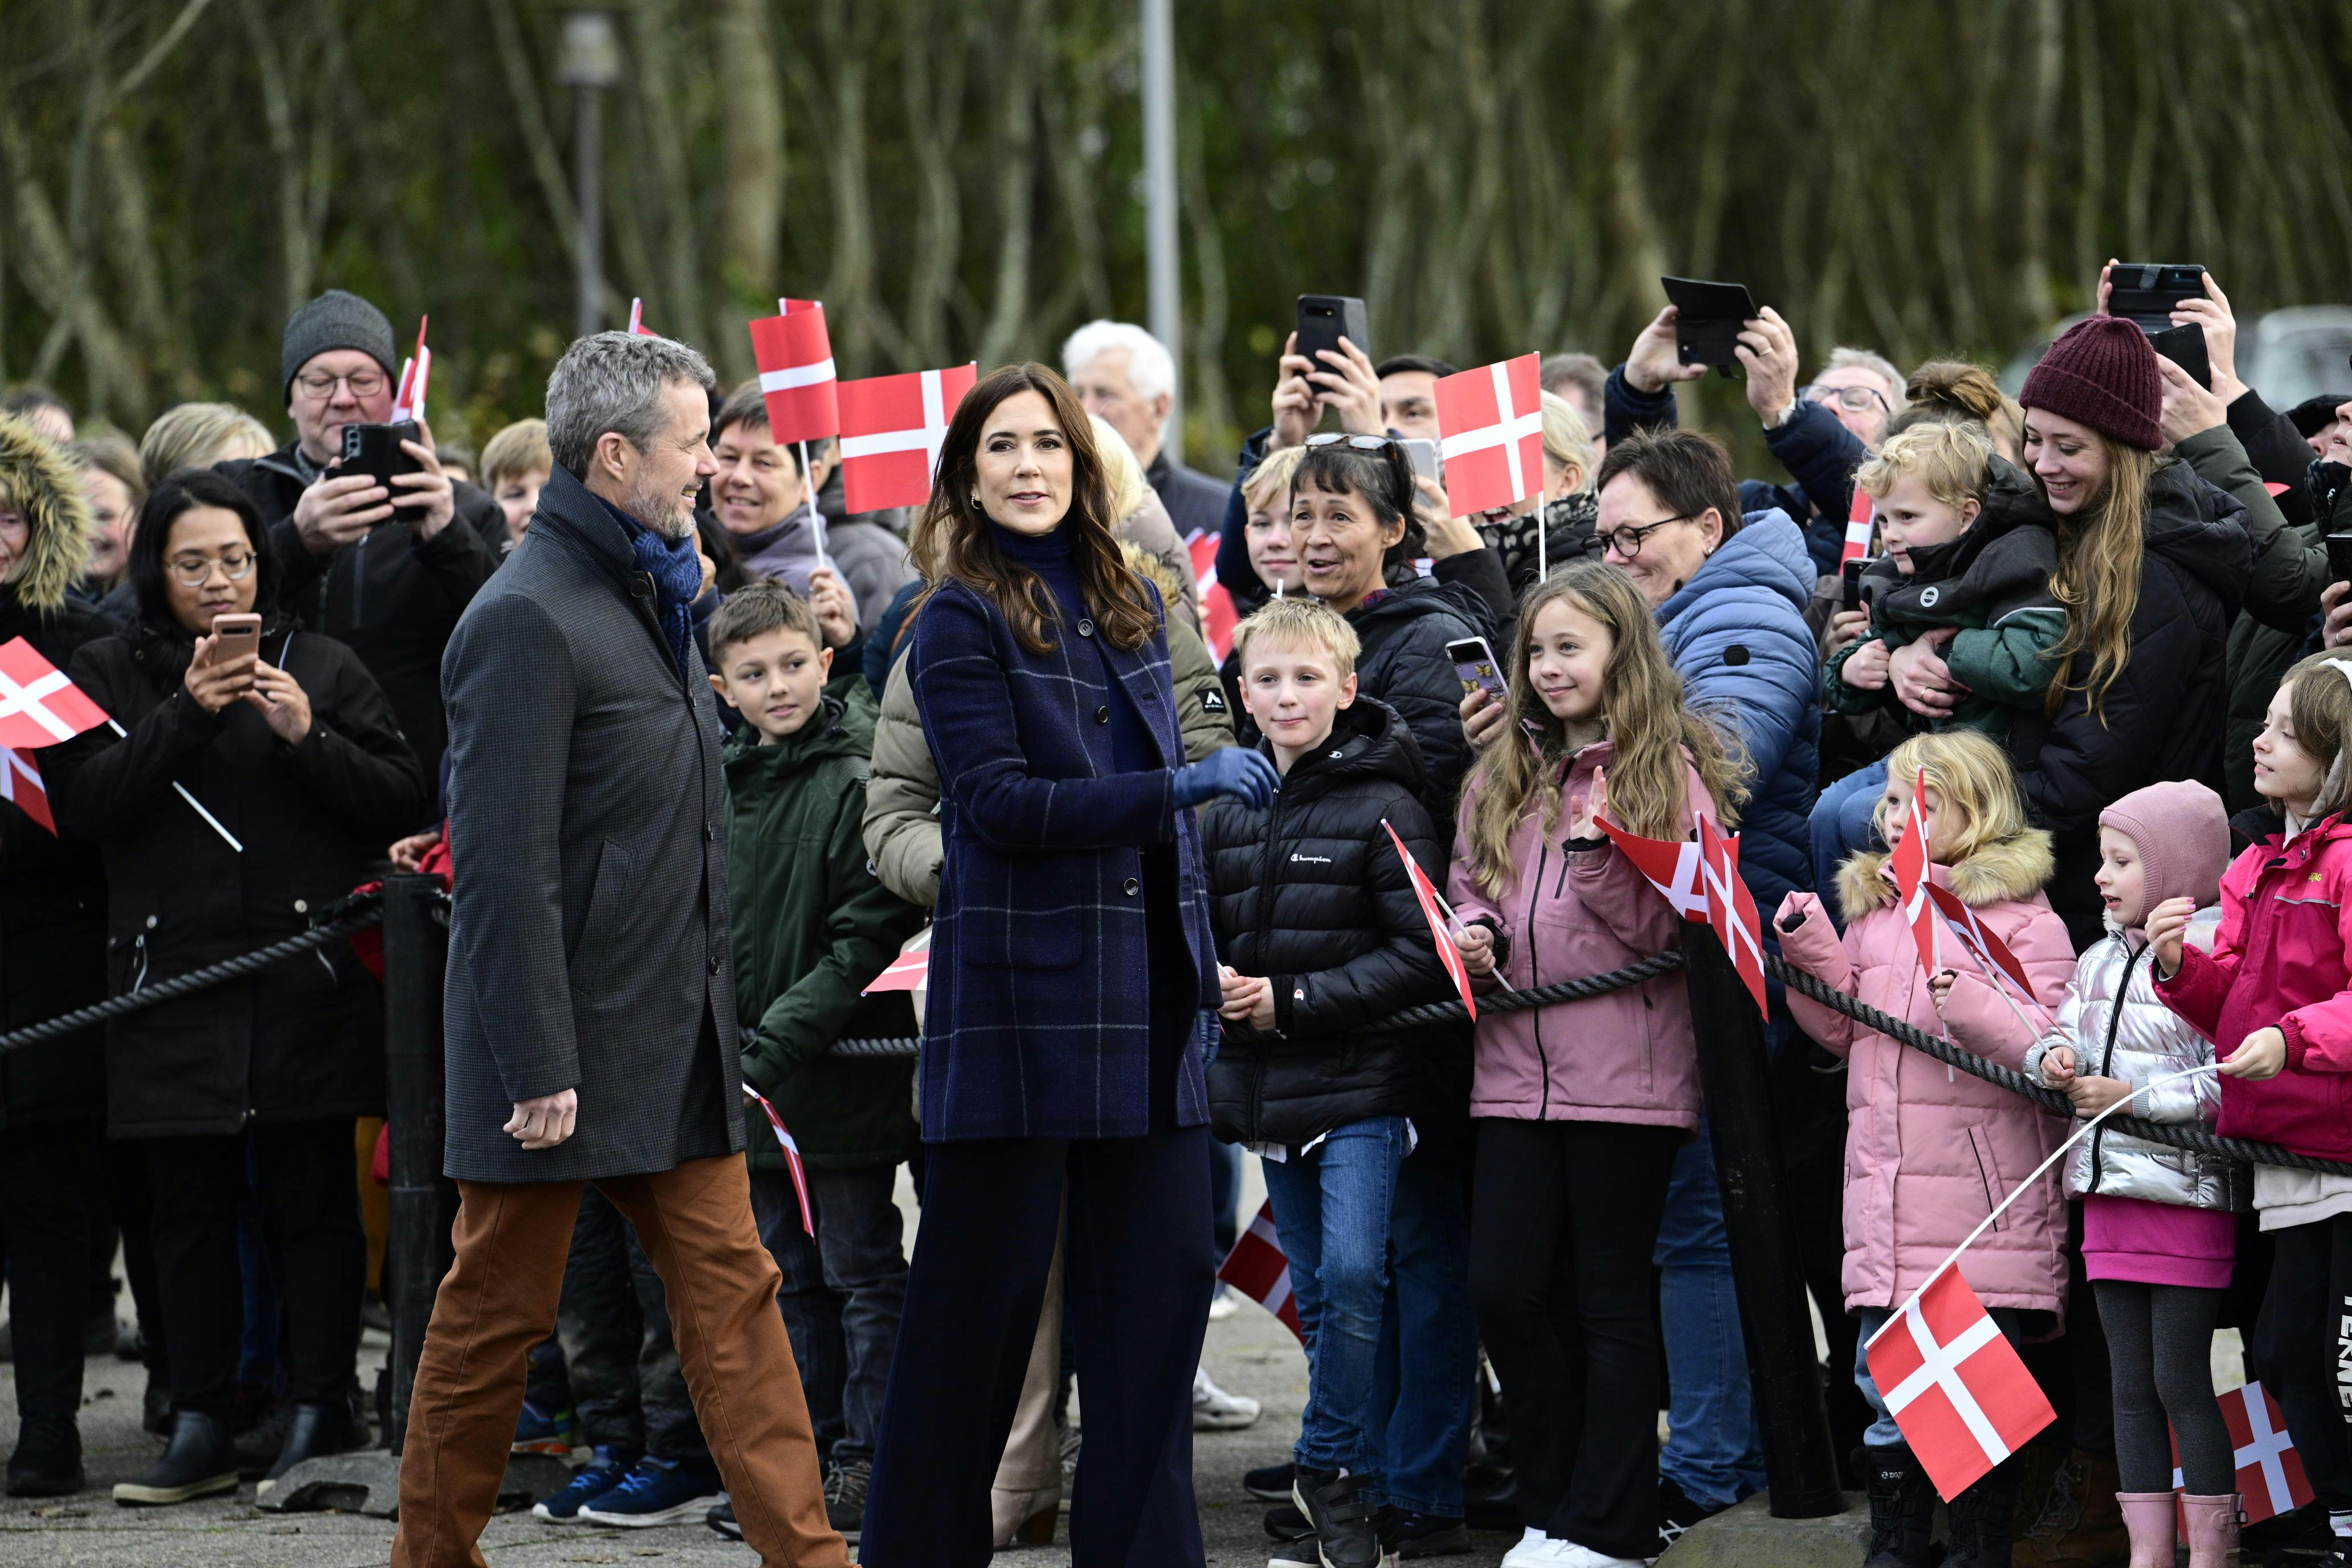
335	320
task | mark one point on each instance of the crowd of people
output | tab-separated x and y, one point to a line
1168	893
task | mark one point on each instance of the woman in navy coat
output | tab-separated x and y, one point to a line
1073	990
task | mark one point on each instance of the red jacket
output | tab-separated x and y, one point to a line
2282	957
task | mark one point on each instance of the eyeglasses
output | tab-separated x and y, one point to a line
195	570
1627	541
318	385
1852	399
1360	443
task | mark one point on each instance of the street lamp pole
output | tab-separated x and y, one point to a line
591	62
1164	273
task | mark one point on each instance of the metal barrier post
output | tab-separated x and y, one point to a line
1800	1465
424	1202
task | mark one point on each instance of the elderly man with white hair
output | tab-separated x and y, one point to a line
1124	376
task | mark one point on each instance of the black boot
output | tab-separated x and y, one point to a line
316	1430
1979	1516
48	1460
1902	1509
201	1460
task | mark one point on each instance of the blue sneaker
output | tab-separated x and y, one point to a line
600	1475
540	1431
657	1491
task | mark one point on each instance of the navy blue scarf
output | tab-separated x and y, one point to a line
677	570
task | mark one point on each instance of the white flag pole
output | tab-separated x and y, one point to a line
816	517
227	837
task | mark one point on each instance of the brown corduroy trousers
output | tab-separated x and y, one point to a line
696	1226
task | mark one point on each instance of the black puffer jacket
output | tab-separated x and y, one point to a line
1309	892
2163	717
1404	633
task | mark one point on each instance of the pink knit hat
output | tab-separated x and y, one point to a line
2182	830
2101	372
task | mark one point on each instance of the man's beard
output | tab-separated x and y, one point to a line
660	511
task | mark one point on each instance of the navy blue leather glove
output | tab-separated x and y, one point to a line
1232	770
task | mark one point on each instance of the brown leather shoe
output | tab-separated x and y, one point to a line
2080	1524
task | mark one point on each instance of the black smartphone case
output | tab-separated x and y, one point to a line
1709	321
375	450
1324	318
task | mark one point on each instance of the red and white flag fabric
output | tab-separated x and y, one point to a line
910	971
1857	527
1218	616
20	784
1490	432
791	1161
1963	1399
892	427
38	706
1913	865
1672	868
795	355
408	403
1258	1269
1433	911
1989	952
2270	1479
637	328
1731	909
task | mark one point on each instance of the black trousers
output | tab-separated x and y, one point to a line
1139	1266
2301	1349
1562	1229
307	1190
48	1240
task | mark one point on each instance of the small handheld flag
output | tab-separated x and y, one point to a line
637	328
2270	1479
1218	616
1258	1269
1955	1387
1857	527
1672	868
1431	903
795	355
1490	430
414	371
910	971
1913	865
1731	909
38	706
892	427
20	784
792	1160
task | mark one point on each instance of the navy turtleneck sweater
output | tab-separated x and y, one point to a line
1048	555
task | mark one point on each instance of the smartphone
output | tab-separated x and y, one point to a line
375	451
1325	319
2339	557
234	636
1708	321
1476	663
1850	584
1421	452
2185	346
2148	292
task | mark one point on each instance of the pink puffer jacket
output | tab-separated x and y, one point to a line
1625	1056
1930	1151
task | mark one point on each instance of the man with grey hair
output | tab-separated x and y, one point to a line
1125	377
590	1009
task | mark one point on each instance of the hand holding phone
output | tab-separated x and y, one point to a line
2148	292
222	668
1324	319
1708	320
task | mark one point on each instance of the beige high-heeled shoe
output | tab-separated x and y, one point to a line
1024	1517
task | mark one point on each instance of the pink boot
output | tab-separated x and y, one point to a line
2212	1530
2149	1519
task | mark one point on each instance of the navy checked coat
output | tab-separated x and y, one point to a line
1037	1022
589	946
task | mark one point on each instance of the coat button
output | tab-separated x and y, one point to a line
1131	887
151	922
1102	715
709	834
1086	628
711	964
302	907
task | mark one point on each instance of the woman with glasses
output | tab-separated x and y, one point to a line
290	752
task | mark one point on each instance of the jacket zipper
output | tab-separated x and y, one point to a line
1984	1176
2107	1062
1535	1015
359	579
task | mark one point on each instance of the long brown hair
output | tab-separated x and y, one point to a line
1650	726
952	541
2097	578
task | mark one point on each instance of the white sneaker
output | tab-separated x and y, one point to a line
1214	1410
1223	1304
1571	1555
1529	1551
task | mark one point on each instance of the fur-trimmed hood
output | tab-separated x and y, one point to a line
37	479
2006	868
1145	565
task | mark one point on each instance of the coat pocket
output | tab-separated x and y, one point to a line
608	895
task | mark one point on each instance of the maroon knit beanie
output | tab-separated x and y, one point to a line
2101	372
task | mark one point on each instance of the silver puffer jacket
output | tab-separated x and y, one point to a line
2139	1042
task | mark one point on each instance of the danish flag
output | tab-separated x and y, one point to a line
2270	1479
1731	909
792	1160
1672	868
892	427
409	401
1431	903
1990	951
637	328
795	358
1913	867
1218	616
910	971
20	782
38	706
1857	527
1490	429
1258	1269
1956	1389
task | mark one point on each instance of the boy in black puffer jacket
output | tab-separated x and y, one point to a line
1322	939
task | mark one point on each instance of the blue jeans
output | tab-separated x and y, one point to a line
1332	1207
1883	1433
1842	823
1715	1453
1429	1338
842	1294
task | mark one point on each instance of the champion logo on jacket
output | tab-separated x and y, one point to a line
1298	860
